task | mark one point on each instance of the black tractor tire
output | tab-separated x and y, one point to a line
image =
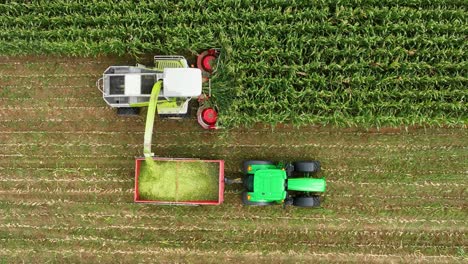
307	166
307	202
247	163
245	201
128	111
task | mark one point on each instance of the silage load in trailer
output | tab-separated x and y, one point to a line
179	181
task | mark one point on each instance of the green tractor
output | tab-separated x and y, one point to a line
267	183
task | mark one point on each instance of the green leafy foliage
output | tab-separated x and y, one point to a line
346	63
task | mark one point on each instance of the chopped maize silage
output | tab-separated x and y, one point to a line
178	181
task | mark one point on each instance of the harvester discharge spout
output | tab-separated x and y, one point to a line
150	119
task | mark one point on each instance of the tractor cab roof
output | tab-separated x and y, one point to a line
270	184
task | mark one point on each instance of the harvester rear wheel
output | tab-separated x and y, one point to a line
128	111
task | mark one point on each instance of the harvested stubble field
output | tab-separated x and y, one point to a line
66	183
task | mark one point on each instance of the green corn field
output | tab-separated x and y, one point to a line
345	63
338	73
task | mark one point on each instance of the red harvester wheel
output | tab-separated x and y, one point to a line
207	117
206	60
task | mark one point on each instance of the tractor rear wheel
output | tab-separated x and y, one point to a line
307	166
248	163
128	111
246	201
304	201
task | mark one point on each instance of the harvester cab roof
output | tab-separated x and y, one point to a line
182	82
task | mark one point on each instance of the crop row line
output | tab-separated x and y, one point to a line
115	178
227	156
291	131
76	23
318	145
55	75
390	232
430	197
53	108
256	231
52	202
39	86
80	99
339	43
378	170
263	8
67	169
95	190
140	216
109	227
340	170
83	179
29	190
336	171
32	190
231	253
109	156
69	32
205	241
64	63
339	47
417	184
383	100
399	147
81	18
221	241
58	120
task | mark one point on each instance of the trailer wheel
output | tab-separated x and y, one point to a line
307	166
248	163
246	201
307	202
128	111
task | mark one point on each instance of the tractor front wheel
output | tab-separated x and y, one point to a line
246	201
308	202
307	166
249	163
